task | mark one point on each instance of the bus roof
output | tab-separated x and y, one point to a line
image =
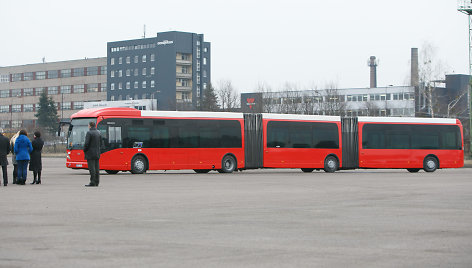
191	114
408	120
110	111
302	117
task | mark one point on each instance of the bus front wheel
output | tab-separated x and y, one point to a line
228	164
430	164
138	165
331	164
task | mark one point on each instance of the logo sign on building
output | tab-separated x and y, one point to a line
251	102
165	42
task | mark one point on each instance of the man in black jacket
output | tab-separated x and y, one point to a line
4	150
92	154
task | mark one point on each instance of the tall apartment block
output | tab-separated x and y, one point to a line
69	83
173	68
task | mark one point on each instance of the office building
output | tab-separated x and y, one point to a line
173	68
69	83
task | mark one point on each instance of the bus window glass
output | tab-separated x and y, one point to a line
138	137
325	135
300	135
277	135
160	136
230	131
397	137
209	134
188	137
451	138
373	137
425	137
77	132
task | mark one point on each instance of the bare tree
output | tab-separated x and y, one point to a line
334	103
269	101
371	108
227	96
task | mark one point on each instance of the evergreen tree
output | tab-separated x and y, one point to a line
47	113
209	101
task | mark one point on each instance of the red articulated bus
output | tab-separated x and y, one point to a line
138	141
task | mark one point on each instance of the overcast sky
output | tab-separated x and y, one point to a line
309	43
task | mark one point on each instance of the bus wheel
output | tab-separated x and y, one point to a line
201	170
111	171
430	164
228	164
308	170
413	170
138	165
331	164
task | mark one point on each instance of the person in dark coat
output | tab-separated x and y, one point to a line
13	157
92	154
35	162
4	150
23	148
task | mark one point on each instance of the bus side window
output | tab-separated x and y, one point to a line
114	137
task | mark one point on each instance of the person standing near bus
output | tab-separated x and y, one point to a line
23	148
36	164
4	150
92	154
13	157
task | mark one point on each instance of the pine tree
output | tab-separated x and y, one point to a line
47	113
210	101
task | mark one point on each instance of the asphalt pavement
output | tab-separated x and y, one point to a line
256	218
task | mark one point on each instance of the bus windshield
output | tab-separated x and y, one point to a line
77	131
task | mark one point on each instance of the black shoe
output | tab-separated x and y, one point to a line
90	185
38	182
34	182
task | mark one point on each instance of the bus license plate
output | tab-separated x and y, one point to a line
79	165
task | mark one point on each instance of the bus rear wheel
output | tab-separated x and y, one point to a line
138	165
228	164
430	164
331	164
201	170
413	170
307	170
111	171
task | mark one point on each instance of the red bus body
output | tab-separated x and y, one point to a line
309	157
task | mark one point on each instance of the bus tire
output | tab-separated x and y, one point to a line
112	171
228	164
307	170
138	165
201	170
331	164
430	164
413	170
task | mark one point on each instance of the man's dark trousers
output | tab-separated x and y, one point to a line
5	175
94	170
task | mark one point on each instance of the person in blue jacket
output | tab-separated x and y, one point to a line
23	148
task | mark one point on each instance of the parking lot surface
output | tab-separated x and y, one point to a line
255	218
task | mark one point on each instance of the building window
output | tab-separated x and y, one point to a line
28	107
112	86
120	60
16	108
112	98
144	71
120	85
128	72
152	83
205	61
204	73
198	52
112	73
40	75
198	79
52	90
128	85
4	78
144	84
205	49
103	70
28	76
120	73
66	106
16	77
112	61
136	84
4	108
78	105
92	70
52	74
79	89
128	60
136	72
153	57
38	91
16	123
103	87
28	92
92	88
66	89
144	58
136	59
16	92
153	70
78	72
65	73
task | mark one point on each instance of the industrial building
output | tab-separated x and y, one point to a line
69	83
173	68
